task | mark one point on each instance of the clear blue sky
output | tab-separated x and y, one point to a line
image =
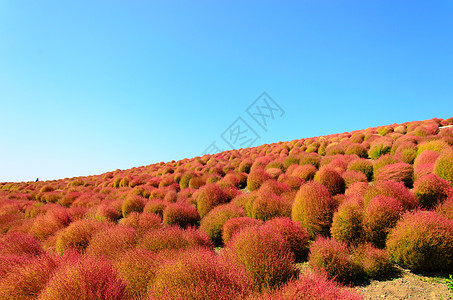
92	86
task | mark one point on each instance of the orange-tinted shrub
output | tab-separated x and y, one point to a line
331	179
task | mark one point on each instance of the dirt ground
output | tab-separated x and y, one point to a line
403	284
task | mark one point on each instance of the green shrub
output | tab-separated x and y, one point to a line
313	208
347	225
422	241
268	205
362	165
132	203
444	165
77	235
374	262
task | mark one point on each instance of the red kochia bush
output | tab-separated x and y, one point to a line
331	179
88	278
181	214
305	172
264	254
234	225
295	235
393	189
351	177
199	274
213	222
137	267
374	262
111	241
431	190
380	215
256	178
422	241
28	279
19	243
313	208
312	286
210	196
334	258
400	172
132	203
362	165
143	222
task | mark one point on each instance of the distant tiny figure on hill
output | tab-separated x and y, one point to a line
37	179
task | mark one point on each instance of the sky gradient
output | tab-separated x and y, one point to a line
88	87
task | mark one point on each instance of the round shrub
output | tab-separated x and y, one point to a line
210	196
234	225
256	178
446	208
19	243
143	222
312	286
295	235
46	225
213	222
155	206
374	262
137	267
422	241
313	208
181	214
358	150
380	147
351	177
334	258
393	189
305	172
331	179
444	165
426	157
400	172
273	186
431	190
267	206
435	145
310	158
245	166
88	278
380	215
362	165
77	235
111	241
174	238
199	274
132	203
26	280
347	224
264	254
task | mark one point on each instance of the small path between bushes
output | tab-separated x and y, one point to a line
404	284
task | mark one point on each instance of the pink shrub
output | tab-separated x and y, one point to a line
331	179
199	274
313	208
106	212
380	215
234	225
54	220
446	208
265	255
213	222
19	243
295	235
426	157
256	178
210	196
181	214
400	172
422	241
312	286
351	177
334	258
27	280
87	278
357	188
155	206
431	190
393	189
143	222
362	165
111	241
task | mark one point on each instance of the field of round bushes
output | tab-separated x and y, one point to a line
238	224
